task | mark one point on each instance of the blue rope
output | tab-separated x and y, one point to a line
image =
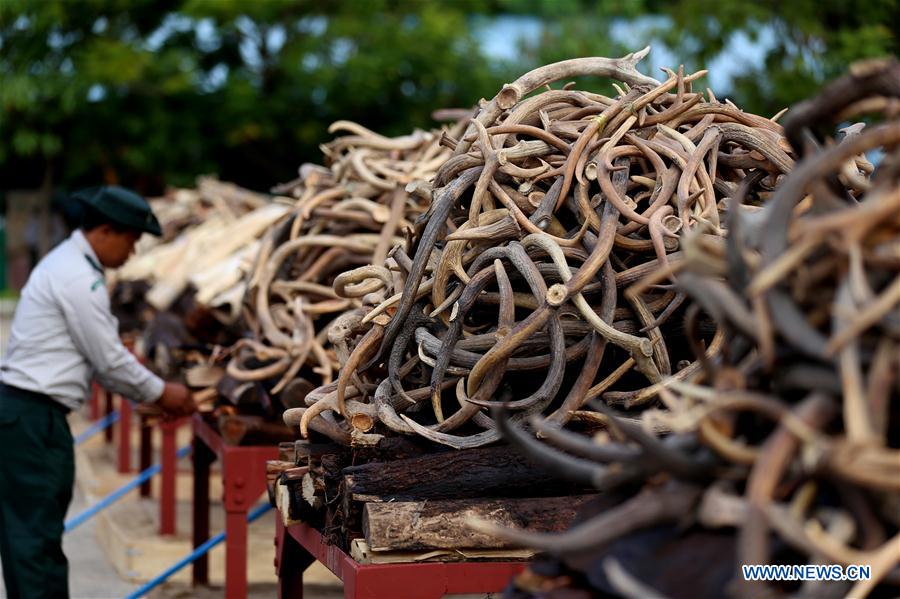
194	555
118	493
102	424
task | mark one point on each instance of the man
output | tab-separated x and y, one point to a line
63	334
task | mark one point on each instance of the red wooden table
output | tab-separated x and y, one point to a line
298	546
244	480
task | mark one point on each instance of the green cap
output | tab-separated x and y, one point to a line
121	206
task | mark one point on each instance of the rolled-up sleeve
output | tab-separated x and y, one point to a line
94	330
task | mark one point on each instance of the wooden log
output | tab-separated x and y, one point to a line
341	525
294	475
274	470
488	472
295	392
360	551
304	449
237	392
431	524
282	494
289	497
237	428
203	375
310	455
286	452
281	491
311	492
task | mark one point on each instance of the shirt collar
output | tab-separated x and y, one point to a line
85	248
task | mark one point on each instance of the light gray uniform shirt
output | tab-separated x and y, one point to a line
63	333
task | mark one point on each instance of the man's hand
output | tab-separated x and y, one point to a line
176	401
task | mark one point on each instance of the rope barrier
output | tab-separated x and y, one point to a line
196	553
118	493
99	426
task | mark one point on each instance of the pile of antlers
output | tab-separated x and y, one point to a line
514	285
785	448
340	218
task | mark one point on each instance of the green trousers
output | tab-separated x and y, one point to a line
37	470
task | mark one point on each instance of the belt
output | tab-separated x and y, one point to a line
33	396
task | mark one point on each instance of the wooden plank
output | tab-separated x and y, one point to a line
362	553
437	524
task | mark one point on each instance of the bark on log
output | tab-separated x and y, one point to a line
490	472
286	452
274	469
420	525
303	450
292	505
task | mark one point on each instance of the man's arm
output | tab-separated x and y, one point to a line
94	330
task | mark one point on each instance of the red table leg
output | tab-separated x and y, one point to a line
108	409
244	479
96	391
202	458
167	514
235	554
291	561
145	457
124	450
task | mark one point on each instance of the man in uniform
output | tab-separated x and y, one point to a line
63	334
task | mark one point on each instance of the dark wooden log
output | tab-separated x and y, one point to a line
303	450
237	429
286	451
295	392
436	524
340	525
292	504
488	472
294	475
237	392
274	470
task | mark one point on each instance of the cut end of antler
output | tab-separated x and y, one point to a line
557	294
362	422
508	97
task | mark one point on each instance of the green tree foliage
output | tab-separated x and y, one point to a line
85	96
154	92
780	51
148	92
